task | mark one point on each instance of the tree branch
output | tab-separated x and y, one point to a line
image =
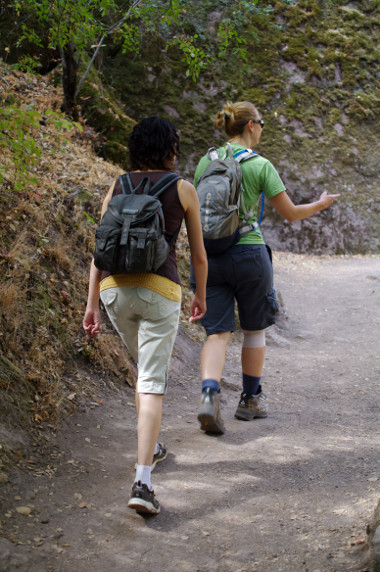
108	31
82	79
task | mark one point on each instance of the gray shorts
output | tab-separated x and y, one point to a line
147	322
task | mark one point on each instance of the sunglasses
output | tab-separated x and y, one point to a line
259	121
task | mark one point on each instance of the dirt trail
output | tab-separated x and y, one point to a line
289	493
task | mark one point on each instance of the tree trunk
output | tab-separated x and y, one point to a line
69	81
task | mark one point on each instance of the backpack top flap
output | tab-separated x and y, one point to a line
223	172
133	211
138	204
144	187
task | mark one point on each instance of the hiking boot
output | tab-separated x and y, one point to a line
209	412
251	406
161	454
143	500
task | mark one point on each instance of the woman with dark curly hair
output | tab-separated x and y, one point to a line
144	308
244	273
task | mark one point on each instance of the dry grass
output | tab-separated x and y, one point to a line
46	240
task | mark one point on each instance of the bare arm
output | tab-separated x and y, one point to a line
189	200
291	212
91	320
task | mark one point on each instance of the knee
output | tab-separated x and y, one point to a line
221	338
254	339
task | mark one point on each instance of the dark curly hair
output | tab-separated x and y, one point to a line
152	142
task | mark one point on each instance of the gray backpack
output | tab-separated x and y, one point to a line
219	191
131	234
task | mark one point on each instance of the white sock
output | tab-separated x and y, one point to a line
157	448
143	473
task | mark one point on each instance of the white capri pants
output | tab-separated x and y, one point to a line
147	322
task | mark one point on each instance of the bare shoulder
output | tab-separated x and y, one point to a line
187	194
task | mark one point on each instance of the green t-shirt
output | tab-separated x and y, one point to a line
259	176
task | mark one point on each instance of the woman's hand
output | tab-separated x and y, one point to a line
91	321
326	200
197	308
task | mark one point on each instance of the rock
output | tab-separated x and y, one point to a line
24	510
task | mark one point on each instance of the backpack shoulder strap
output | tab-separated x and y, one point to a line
245	154
126	184
128	188
229	153
163	184
159	188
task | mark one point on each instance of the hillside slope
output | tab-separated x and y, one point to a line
46	240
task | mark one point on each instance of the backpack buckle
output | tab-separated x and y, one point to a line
141	239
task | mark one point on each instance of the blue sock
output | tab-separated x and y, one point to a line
212	384
251	384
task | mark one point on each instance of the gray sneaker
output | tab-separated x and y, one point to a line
209	412
143	500
161	454
251	406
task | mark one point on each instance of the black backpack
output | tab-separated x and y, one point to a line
131	235
219	191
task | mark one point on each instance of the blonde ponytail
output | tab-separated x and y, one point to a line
235	116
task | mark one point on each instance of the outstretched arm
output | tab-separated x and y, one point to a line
291	212
189	200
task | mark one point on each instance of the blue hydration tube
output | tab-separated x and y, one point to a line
262	208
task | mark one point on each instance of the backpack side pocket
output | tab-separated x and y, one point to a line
105	253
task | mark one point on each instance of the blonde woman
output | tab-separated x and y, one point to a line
244	273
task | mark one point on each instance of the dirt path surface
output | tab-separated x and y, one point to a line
289	493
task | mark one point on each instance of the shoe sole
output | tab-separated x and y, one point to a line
243	416
142	506
209	424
